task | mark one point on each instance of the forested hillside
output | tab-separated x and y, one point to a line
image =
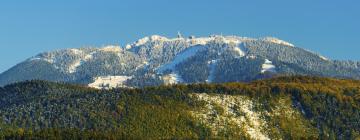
280	108
156	60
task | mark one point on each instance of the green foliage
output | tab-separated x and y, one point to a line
326	109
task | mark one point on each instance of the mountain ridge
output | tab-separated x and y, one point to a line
156	60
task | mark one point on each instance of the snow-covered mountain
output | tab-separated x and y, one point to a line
157	60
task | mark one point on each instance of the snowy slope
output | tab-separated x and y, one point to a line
148	59
278	41
109	81
180	58
268	66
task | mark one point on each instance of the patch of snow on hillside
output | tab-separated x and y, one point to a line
229	40
199	41
205	40
277	41
153	38
189	52
323	58
236	110
212	67
128	46
239	52
173	78
111	48
47	59
34	59
158	38
74	66
144	64
107	82
142	41
193	41
77	63
268	66
89	56
76	51
251	57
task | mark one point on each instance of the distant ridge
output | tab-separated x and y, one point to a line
156	60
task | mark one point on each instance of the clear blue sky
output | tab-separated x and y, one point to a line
28	27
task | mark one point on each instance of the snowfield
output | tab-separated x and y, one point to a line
74	66
108	82
268	66
76	51
173	78
142	41
239	52
323	58
278	41
189	52
111	48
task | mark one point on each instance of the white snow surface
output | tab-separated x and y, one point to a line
187	53
199	41
50	59
192	41
239	52
76	51
128	46
251	57
277	41
142	41
77	63
206	40
153	38
158	38
34	59
173	78
89	56
111	48
268	66
74	66
323	58
108	82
